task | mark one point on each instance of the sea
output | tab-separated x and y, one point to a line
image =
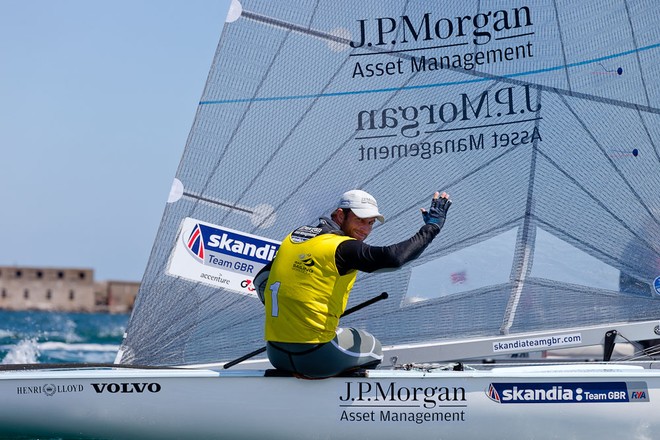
30	337
59	338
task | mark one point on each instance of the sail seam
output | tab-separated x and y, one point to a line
528	233
639	61
561	43
592	197
609	159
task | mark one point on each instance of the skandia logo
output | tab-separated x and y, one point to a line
204	239
582	392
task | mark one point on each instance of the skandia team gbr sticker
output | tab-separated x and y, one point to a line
219	256
568	392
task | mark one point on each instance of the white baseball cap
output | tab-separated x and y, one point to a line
361	203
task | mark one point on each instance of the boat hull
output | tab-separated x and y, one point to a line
503	403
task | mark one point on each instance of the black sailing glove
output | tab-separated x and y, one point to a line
437	213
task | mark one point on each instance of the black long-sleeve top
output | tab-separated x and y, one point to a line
357	255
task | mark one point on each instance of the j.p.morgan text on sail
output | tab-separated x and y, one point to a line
381	31
466	35
505	104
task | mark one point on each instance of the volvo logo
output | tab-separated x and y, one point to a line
126	387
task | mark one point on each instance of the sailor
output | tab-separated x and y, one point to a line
306	287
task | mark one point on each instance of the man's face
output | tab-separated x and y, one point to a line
354	226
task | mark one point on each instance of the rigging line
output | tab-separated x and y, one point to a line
639	61
314	11
563	46
610	160
525	245
595	199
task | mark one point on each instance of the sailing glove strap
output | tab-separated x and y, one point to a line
437	213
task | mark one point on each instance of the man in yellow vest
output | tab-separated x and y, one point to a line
305	289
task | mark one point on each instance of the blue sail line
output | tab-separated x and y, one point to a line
425	86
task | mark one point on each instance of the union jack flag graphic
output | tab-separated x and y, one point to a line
196	243
493	394
458	277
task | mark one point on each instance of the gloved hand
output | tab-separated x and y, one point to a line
437	213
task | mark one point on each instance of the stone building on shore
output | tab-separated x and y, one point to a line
63	290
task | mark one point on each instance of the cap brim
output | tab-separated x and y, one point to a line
368	213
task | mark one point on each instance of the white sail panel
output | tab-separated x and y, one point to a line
535	116
557	260
474	267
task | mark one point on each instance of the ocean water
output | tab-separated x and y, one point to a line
57	337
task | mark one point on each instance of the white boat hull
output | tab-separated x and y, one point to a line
567	403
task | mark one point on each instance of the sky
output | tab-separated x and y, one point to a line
96	102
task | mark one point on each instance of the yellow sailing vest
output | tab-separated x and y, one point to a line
305	295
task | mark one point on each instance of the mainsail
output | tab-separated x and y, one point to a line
539	118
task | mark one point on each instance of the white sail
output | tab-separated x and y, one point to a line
540	119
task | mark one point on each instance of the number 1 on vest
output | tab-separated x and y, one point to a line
274	308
